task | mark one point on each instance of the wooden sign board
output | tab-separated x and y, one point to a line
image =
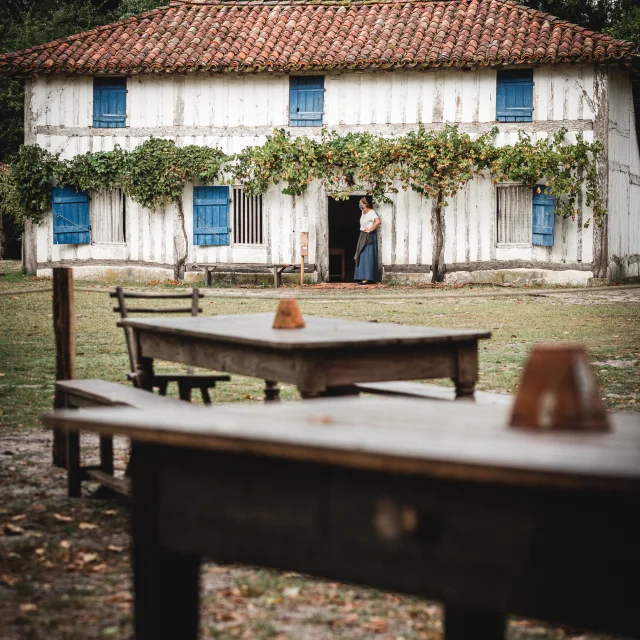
304	244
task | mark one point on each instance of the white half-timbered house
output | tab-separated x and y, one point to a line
227	74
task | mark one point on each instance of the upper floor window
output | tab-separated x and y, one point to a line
306	101
514	97
109	102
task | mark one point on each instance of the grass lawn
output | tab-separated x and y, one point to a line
64	567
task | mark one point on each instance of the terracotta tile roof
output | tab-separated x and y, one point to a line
300	36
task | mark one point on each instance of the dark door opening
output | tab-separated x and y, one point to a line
344	228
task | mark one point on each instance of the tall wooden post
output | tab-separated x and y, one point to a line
64	328
304	252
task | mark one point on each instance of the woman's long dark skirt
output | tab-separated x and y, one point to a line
367	269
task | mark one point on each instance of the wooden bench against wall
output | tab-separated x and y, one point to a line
251	268
78	394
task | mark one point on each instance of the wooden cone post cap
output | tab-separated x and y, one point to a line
288	315
558	391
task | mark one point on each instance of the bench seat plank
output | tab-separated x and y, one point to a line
428	391
104	392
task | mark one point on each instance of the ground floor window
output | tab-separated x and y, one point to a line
514	214
108	216
248	221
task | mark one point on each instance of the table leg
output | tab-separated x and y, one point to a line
462	624
73	464
166	583
467	374
166	591
106	454
271	391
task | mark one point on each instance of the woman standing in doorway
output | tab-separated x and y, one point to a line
366	257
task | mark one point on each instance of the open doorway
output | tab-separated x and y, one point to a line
344	228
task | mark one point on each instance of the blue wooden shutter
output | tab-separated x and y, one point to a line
515	96
306	101
211	216
543	217
109	102
71	223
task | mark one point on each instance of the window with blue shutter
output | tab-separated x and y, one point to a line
514	96
543	219
211	216
306	101
71	222
109	102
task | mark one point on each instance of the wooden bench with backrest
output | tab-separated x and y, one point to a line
186	382
78	394
428	392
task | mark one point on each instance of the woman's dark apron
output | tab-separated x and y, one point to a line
367	257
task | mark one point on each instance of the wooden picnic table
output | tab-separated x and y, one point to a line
436	499
324	358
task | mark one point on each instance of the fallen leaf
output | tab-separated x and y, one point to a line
87	525
113	547
40	551
12	529
99	567
376	625
21	516
27	606
60	518
291	592
65	544
86	558
110	512
120	597
10	581
2	375
323	420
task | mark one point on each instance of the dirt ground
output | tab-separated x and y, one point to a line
64	563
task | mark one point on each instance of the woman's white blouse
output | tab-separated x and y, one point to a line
367	219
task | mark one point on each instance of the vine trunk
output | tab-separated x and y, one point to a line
437	232
180	244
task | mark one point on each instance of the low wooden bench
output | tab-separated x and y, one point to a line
79	394
258	267
428	392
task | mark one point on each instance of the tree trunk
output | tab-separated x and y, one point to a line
437	235
180	243
600	249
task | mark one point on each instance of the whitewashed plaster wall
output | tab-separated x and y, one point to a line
624	180
236	111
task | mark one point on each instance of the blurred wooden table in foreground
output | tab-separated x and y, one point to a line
431	498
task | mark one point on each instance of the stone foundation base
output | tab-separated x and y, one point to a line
115	274
497	276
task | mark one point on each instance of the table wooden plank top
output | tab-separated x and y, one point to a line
444	439
256	330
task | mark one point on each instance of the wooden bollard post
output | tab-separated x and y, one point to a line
64	328
304	252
